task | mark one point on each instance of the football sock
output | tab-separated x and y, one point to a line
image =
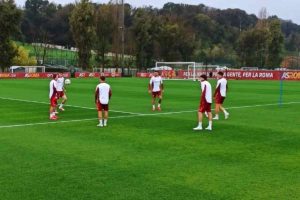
105	121
100	121
225	112
210	124
153	106
200	124
158	105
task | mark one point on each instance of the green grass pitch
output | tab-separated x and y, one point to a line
255	154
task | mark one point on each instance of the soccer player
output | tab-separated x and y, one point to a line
102	96
61	92
53	97
220	95
205	103
156	88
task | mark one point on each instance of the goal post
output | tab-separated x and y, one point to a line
179	70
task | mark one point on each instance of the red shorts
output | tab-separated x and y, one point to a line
102	106
53	102
60	94
156	94
219	99
204	107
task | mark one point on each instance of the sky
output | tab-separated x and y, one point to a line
285	9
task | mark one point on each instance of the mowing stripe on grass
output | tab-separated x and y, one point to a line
138	115
82	107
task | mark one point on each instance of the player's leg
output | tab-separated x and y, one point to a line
105	118
159	102
200	118
207	108
64	99
224	111
209	127
217	110
100	118
52	110
153	102
105	115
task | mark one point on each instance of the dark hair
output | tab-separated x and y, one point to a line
204	76
156	71
54	76
221	73
102	78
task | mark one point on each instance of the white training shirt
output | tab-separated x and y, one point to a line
103	92
156	82
53	88
60	84
222	83
206	87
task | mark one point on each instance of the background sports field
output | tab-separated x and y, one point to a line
145	155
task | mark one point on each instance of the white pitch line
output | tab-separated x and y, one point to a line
136	115
82	107
89	119
261	105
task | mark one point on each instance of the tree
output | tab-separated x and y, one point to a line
82	25
104	28
10	18
275	46
145	29
22	58
253	46
58	26
34	20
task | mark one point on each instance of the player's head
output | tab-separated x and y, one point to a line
220	75
102	79
156	73
60	75
203	77
55	77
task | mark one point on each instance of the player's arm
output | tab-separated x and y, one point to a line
96	94
110	93
162	87
215	93
216	90
150	86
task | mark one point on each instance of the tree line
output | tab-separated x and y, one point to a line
176	32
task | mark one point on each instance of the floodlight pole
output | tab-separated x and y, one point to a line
123	34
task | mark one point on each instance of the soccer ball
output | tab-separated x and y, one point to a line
67	81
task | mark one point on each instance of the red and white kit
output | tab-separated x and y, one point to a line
103	94
155	83
221	90
206	97
53	93
60	87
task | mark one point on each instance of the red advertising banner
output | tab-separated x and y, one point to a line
232	74
144	75
96	74
31	75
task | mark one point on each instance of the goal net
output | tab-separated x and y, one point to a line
182	70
